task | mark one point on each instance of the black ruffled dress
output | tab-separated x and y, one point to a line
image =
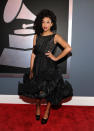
46	82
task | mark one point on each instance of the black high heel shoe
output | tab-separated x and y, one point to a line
44	121
37	117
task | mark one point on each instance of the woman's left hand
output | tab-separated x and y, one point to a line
50	55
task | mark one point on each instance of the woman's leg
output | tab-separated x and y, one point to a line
47	110
37	106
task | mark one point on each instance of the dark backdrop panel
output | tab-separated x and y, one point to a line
8	37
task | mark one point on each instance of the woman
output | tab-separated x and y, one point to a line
44	81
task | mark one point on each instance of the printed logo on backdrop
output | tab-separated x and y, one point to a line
20	44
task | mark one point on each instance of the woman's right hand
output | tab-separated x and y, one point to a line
31	75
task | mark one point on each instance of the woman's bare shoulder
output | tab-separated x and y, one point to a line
57	36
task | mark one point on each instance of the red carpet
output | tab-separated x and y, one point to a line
21	117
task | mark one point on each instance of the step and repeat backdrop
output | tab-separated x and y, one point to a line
16	33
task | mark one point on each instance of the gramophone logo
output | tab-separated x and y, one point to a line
21	37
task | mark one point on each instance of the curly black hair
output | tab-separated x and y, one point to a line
38	21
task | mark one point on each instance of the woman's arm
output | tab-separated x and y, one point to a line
33	55
64	44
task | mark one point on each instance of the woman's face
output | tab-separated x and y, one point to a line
46	23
